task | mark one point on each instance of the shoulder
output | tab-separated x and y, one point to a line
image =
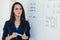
27	22
28	25
7	22
5	25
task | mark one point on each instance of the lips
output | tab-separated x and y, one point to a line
18	13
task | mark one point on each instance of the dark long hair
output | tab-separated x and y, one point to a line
12	17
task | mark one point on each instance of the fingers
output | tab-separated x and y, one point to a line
14	35
24	36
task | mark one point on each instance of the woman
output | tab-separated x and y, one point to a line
17	28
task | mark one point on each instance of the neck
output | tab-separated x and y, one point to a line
17	18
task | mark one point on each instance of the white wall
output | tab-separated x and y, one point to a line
45	21
4	14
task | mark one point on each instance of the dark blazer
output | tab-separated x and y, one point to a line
7	30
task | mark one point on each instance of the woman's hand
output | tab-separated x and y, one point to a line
12	36
24	36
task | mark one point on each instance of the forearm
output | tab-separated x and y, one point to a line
8	37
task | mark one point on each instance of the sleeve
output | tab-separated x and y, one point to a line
5	31
28	29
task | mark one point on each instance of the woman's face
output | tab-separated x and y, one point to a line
17	10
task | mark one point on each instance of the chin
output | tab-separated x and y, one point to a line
18	15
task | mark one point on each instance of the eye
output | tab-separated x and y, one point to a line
16	8
20	8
